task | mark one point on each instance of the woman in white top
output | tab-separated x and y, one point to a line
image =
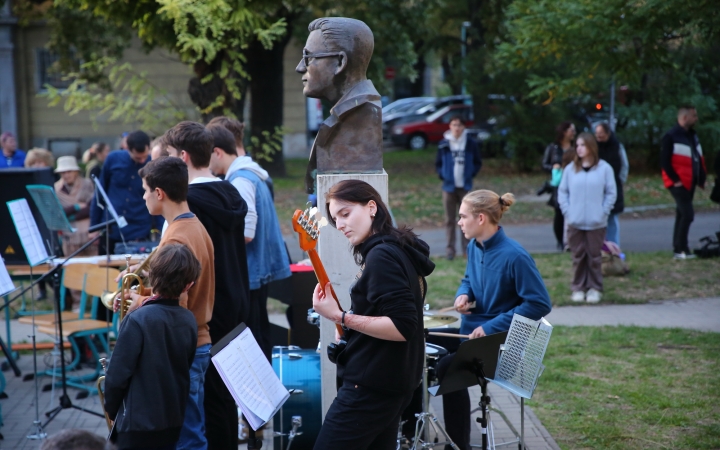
586	196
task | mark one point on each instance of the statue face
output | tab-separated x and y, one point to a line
319	73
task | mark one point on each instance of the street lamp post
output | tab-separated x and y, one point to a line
463	51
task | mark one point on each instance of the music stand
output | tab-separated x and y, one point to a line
520	364
474	359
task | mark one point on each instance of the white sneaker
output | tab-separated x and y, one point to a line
578	296
684	255
593	296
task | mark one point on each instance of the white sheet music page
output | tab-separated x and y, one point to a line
250	379
6	284
28	231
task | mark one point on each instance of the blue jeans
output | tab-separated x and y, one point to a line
613	229
192	435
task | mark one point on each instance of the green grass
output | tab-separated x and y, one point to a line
653	276
416	198
630	388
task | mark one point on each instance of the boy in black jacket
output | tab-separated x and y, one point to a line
148	378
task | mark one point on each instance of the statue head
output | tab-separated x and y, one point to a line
336	57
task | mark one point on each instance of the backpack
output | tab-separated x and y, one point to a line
710	248
613	263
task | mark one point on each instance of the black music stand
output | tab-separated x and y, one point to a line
475	360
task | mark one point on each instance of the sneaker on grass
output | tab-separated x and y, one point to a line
578	296
593	296
683	255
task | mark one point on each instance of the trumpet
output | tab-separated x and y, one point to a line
108	299
101	393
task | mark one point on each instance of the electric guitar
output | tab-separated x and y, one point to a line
307	226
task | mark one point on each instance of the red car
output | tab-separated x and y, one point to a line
416	135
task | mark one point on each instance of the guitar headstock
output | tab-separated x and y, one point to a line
307	226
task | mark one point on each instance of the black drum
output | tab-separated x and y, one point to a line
433	353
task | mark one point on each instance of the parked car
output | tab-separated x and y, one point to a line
415	132
417	108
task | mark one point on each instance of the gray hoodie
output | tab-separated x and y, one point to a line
246	189
587	197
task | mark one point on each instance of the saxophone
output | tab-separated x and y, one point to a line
101	393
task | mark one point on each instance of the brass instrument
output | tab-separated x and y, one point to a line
101	393
108	299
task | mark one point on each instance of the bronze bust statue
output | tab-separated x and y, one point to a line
334	67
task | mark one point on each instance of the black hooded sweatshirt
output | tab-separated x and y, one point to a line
609	151
221	209
388	286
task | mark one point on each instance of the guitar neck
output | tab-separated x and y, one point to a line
323	278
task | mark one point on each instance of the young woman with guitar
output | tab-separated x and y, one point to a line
381	365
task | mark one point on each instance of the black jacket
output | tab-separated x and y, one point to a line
553	155
148	377
222	211
389	286
609	151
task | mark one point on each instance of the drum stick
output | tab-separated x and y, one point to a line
452	308
459	336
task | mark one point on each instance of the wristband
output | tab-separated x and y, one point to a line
77	207
342	320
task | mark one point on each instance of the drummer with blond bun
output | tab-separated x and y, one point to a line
501	279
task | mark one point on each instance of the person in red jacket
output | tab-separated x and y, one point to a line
683	168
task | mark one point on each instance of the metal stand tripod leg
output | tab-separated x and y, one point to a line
421	431
39	432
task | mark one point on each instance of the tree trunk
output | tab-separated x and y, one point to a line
204	94
265	67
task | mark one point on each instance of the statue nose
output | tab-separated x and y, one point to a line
301	67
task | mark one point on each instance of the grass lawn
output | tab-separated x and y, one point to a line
630	388
653	276
416	199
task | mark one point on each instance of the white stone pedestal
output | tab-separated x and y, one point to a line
336	255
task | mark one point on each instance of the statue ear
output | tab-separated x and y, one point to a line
343	63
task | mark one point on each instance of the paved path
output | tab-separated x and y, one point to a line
636	235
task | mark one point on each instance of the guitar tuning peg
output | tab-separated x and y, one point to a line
322	222
313	212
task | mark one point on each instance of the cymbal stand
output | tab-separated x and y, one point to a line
425	418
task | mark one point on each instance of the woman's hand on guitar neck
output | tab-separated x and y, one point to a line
325	305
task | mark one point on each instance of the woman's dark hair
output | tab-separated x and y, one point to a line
173	266
360	192
560	131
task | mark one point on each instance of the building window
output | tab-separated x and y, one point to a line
46	75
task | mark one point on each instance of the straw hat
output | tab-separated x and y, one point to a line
66	164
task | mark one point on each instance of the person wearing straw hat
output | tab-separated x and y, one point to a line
75	194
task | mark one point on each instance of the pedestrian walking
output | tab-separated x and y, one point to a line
609	150
586	196
458	161
557	155
683	168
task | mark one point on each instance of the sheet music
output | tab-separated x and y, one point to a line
28	232
121	222
6	284
250	379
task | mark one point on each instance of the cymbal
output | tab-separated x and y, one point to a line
433	321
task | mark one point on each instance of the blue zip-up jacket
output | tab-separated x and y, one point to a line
444	164
266	253
123	186
501	277
18	160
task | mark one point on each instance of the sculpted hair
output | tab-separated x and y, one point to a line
234	126
222	139
138	141
351	36
169	174
488	203
194	139
592	148
560	131
360	192
172	268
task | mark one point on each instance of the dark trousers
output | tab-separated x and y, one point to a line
586	247
559	227
451	203
221	416
361	418
456	405
684	216
258	299
164	447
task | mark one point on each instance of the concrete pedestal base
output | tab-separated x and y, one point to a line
336	255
